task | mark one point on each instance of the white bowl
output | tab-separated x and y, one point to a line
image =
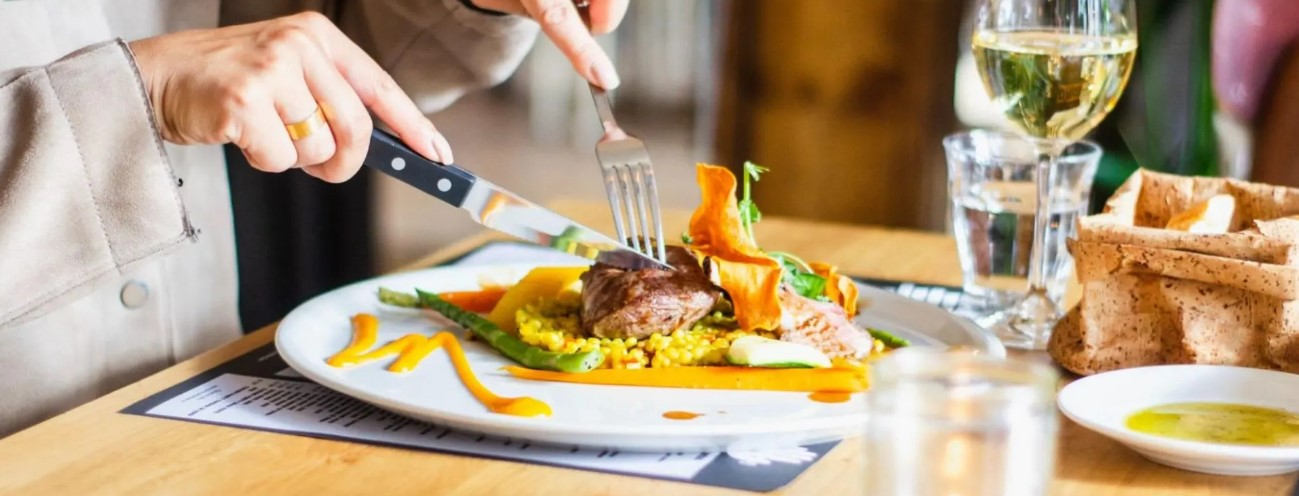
1104	402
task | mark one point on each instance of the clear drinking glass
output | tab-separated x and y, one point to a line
954	424
1056	68
991	179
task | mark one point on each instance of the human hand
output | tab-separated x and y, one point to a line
244	84
561	23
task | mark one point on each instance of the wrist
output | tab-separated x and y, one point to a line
141	53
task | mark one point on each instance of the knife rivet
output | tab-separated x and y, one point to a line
444	185
398	163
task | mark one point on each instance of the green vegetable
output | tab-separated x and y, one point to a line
889	339
800	279
757	351
795	272
749	214
567	240
512	347
686	239
398	298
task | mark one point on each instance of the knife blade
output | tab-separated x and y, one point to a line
498	208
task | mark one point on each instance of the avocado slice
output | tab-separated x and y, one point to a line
757	351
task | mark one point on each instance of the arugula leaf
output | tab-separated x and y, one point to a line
804	283
808	285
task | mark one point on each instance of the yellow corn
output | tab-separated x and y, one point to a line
555	325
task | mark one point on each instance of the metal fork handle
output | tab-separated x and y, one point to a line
603	107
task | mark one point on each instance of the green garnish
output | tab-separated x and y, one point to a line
749	213
888	339
796	274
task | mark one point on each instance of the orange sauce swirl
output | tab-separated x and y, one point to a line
412	348
829	396
680	415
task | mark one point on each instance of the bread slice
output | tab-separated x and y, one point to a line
1212	216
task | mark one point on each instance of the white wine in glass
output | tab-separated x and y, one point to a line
1056	68
1054	84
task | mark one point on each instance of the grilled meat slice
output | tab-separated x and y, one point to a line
617	303
821	325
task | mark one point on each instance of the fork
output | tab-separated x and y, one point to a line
628	175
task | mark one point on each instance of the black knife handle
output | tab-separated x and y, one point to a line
445	181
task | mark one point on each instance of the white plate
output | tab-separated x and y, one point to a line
1104	402
627	418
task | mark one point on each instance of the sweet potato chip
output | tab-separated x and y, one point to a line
838	288
748	275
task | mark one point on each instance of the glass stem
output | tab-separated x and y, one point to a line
1041	223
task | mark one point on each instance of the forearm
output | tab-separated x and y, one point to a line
85	188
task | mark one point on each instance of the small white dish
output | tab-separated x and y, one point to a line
1104	402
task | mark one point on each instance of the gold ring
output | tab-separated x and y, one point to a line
306	127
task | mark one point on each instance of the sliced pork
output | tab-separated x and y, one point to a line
822	325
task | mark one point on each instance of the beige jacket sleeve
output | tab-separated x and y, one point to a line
438	50
85	187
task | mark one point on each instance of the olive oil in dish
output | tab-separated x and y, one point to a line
1222	423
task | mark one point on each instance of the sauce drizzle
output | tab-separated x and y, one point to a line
680	415
829	396
412	348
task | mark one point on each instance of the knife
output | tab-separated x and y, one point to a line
497	208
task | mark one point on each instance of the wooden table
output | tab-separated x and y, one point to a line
94	449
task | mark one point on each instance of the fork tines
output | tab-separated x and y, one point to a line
633	197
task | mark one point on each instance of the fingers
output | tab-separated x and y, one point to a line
560	22
263	138
377	91
349	123
295	104
606	15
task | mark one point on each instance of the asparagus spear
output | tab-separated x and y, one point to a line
512	347
889	339
398	298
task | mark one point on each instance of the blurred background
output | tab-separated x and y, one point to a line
846	101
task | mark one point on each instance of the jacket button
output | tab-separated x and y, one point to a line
134	294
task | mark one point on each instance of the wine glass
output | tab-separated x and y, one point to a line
1055	68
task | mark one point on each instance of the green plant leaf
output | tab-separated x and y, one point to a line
749	213
808	285
804	283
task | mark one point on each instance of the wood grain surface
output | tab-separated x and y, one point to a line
847	101
95	450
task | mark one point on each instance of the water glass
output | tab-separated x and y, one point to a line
955	424
991	181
